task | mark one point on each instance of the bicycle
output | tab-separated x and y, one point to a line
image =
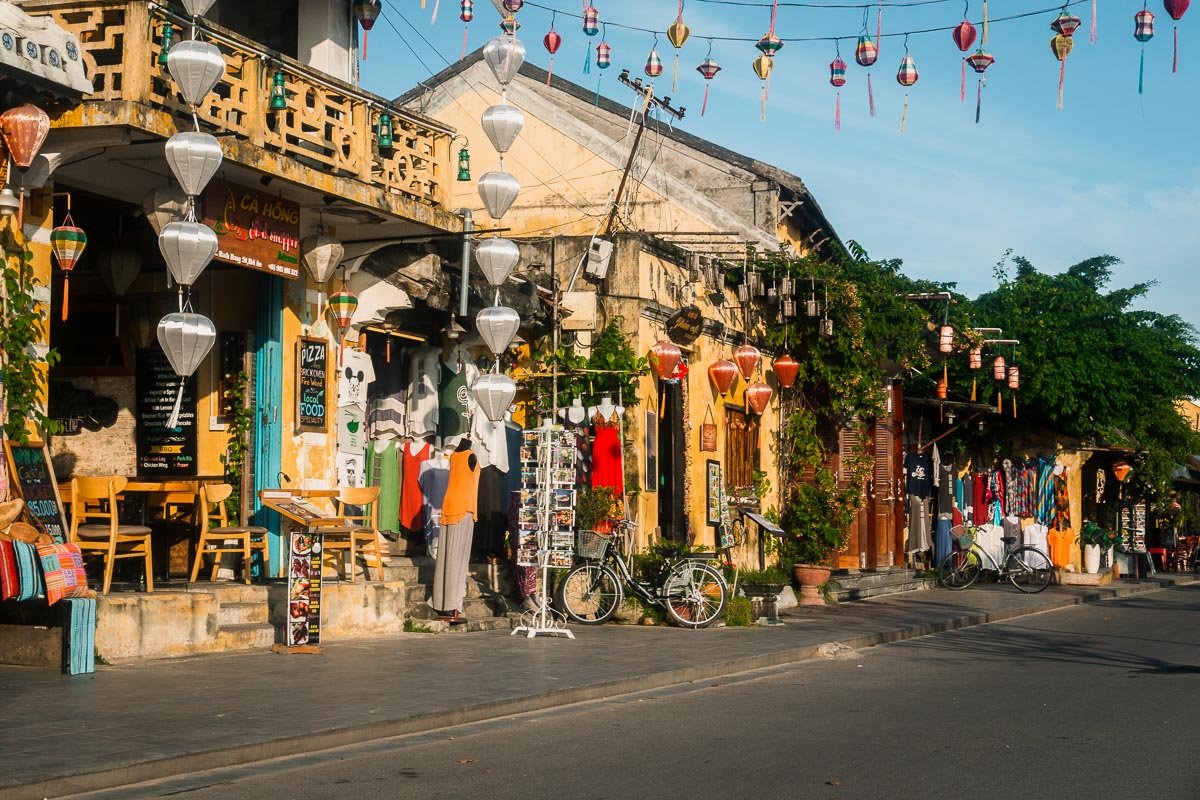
693	593
1027	567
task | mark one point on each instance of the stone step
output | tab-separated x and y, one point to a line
243	614
245	636
225	592
880	588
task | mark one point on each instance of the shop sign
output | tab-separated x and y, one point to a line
304	588
254	229
685	325
312	378
33	478
163	451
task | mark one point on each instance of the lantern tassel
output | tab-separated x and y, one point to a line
974	394
174	419
1175	51
464	47
1013	403
1141	69
1092	31
704	104
978	100
675	74
999	402
870	95
433	17
1062	73
762	110
66	295
389	348
550	71
962	89
985	24
597	104
365	41
879	29
837	113
904	113
587	59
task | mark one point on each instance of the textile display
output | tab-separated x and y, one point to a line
383	470
433	480
918	470
62	570
1062	547
354	378
422	403
492	522
411	504
351	429
462	490
1062	501
607	466
455	402
10	585
944	541
351	470
453	561
918	524
29	572
79	636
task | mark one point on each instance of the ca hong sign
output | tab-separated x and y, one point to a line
254	229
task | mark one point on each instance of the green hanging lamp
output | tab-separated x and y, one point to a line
279	91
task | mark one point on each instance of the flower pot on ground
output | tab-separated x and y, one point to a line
810	577
1091	558
1094	538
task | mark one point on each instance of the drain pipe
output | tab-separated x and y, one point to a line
465	278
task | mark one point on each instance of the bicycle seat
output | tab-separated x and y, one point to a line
1008	539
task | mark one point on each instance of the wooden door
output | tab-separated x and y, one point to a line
882	499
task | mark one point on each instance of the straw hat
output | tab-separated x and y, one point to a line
10	512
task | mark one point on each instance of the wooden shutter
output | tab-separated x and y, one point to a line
849	446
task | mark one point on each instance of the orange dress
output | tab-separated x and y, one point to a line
462	492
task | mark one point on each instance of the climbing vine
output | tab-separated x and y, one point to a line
234	457
24	372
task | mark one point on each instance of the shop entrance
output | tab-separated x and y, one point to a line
672	464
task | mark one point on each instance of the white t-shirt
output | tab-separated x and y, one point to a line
351	430
355	375
423	391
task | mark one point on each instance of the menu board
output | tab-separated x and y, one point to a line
304	589
32	476
163	451
312	380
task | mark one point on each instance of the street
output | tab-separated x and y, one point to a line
1096	701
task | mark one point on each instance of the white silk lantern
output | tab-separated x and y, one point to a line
194	158
321	255
497	258
494	392
498	327
502	124
187	247
504	55
498	190
164	205
186	338
196	67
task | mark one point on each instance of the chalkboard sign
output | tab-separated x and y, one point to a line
33	478
312	380
163	451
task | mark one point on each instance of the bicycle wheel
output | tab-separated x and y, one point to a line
590	593
959	569
1029	569
694	594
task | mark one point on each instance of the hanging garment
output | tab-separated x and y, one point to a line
1062	547
1011	527
994	497
453	563
512	440
386	411
352	429
978	506
455	403
351	470
1045	491
944	541
1010	485
935	460
422	401
1034	534
492	520
918	468
433	479
607	466
462	490
489	441
918	524
411	512
1062	501
945	492
383	470
356	375
988	538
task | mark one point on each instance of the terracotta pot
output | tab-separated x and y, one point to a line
810	577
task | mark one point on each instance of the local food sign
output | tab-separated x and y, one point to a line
254	229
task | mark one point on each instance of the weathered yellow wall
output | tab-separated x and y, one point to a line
309	458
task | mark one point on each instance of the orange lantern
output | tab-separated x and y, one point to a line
723	373
747	358
24	129
941	388
976	358
998	371
786	369
1121	470
758	395
1014	377
664	357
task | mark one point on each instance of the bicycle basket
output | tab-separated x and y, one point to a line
592	545
963	536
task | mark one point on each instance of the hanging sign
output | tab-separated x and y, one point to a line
254	229
33	478
312	380
685	325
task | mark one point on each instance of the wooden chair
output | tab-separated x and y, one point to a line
96	499
362	530
224	538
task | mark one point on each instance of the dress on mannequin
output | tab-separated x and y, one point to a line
434	477
607	469
458	528
573	415
411	512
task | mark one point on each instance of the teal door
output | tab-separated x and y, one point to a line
268	402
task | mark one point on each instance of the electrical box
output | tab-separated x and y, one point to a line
599	256
580	308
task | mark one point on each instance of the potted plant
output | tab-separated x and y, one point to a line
1093	538
763	587
817	519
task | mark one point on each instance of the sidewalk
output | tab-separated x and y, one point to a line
136	722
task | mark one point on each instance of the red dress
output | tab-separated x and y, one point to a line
412	510
607	469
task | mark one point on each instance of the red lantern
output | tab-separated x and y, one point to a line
747	358
1176	9
1014	377
723	373
786	369
964	35
24	129
946	339
758	395
976	358
664	357
366	12
998	368
552	41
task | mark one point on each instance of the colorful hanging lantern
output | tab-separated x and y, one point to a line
513	6
709	69
723	373
1061	46
24	129
551	41
1066	24
758	396
342	305
964	36
975	358
604	55
591	21
1014	377
747	357
68	243
786	370
466	12
943	388
769	44
1143	31
946	339
762	68
654	65
837	79
998	366
979	61
1176	9
906	76
677	35
510	25
866	53
366	12
664	357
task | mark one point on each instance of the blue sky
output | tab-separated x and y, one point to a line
1113	172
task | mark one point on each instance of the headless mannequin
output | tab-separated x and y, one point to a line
573	414
454	553
605	408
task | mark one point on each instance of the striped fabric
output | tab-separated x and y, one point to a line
79	636
9	584
1045	491
907	74
29	572
866	52
62	567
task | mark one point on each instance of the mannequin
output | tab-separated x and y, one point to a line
433	479
457	530
605	409
573	415
412	455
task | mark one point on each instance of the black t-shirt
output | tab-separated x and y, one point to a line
919	469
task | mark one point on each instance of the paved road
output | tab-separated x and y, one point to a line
1094	702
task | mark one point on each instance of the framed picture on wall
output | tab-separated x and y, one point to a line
712	494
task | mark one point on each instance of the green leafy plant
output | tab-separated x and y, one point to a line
738	612
829	590
411	626
758	577
1103	538
594	506
234	457
612	367
24	373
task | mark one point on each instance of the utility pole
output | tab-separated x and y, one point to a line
649	100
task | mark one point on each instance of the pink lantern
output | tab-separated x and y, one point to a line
747	358
998	368
723	373
24	129
976	358
786	369
946	339
551	41
1014	377
664	357
758	395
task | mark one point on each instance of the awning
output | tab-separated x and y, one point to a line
36	52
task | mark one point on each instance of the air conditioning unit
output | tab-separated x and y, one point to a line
599	256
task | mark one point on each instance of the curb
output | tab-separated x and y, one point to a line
358	734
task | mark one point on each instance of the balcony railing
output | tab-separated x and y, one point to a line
328	125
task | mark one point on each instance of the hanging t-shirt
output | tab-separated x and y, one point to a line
423	392
355	376
454	400
351	429
489	442
919	469
945	493
351	470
